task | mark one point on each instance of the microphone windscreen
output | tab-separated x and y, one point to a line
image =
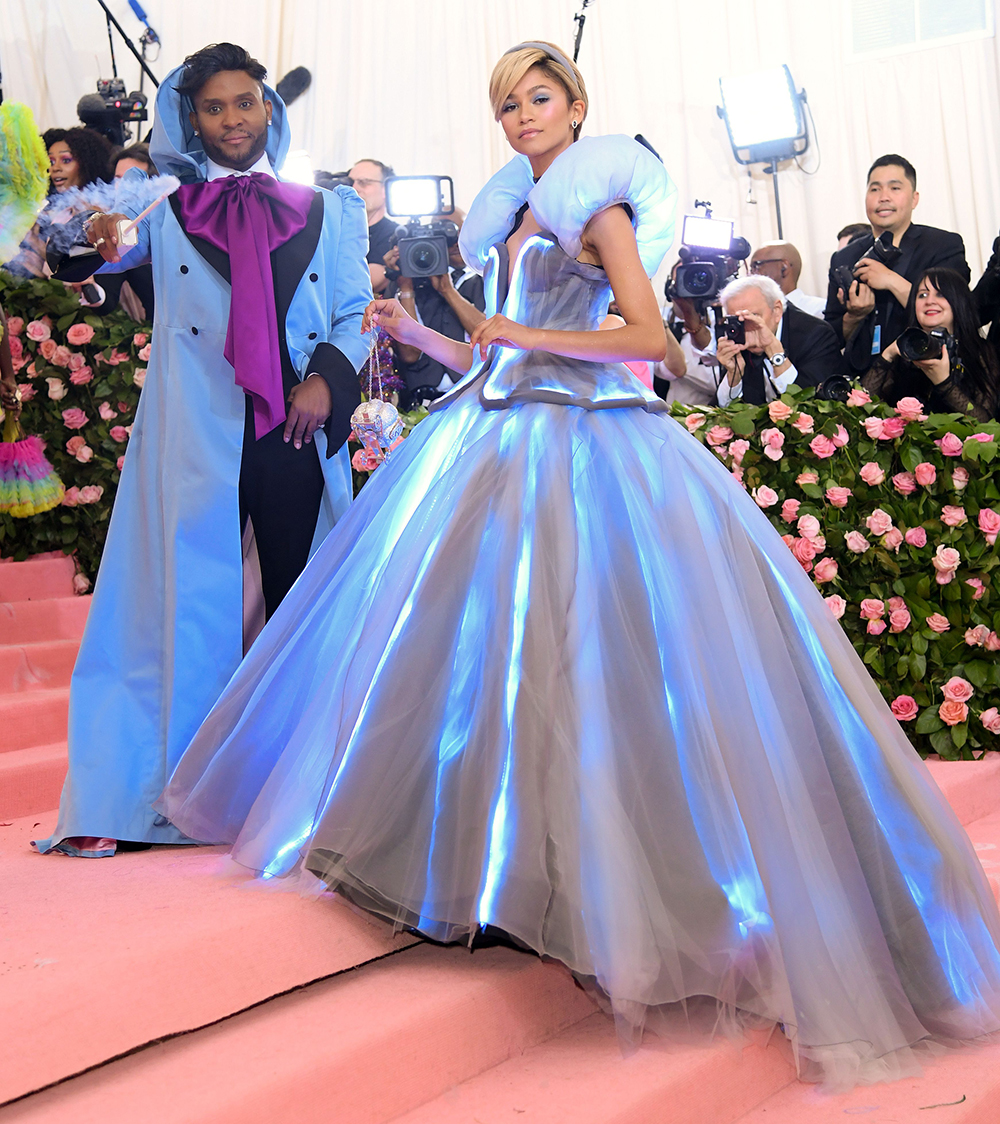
90	103
295	83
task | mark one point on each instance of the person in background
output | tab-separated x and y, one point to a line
782	262
132	156
686	374
673	365
368	180
986	294
76	157
847	234
966	377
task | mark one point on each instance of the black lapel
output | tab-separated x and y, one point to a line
216	258
289	261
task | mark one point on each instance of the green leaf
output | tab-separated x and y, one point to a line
899	587
911	456
977	672
742	424
928	721
813	490
918	644
918	662
960	734
64	321
943	744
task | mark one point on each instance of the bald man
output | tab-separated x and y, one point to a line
782	263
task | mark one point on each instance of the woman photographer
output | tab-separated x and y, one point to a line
966	376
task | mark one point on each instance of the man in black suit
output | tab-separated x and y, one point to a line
784	345
873	313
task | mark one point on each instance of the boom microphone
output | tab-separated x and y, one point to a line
295	83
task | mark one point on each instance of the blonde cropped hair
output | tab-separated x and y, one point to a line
550	60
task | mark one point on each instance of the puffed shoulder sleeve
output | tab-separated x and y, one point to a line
492	212
599	172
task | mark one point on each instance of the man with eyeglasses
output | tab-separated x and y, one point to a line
368	180
782	262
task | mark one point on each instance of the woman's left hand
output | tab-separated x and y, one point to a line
506	333
937	370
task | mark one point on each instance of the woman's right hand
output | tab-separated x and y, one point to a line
891	352
390	315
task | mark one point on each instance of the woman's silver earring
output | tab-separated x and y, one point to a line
575	123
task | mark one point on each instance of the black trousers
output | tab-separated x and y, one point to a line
280	492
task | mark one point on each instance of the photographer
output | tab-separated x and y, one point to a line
870	279
986	295
781	344
368	177
687	373
451	303
961	373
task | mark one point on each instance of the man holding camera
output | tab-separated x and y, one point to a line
870	278
368	177
767	344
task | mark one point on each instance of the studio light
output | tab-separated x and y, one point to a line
765	120
410	196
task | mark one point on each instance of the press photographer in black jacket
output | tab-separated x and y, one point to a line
872	312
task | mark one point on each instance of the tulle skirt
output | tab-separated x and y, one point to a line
555	673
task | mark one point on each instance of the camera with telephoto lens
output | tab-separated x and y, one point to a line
708	251
915	344
425	240
734	329
107	111
881	250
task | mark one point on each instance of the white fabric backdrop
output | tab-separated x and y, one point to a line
405	81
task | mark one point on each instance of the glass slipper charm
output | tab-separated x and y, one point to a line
377	423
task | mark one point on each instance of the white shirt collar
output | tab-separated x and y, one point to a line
217	171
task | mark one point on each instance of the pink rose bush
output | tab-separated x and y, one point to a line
894	512
79	334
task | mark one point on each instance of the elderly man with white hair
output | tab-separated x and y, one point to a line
783	344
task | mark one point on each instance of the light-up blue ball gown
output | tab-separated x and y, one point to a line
555	673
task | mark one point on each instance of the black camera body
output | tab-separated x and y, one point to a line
915	344
881	250
734	329
702	276
110	108
423	247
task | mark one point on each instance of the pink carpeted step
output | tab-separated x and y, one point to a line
37	578
57	618
43	664
357	1049
580	1077
972	788
33	718
31	780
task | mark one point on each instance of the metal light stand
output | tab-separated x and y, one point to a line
128	43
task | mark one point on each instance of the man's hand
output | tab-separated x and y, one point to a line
728	355
443	284
860	300
506	333
758	333
102	234
878	276
309	405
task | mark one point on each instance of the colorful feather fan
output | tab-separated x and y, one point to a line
24	176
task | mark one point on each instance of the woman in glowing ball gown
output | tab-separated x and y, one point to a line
555	673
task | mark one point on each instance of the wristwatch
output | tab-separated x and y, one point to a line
778	358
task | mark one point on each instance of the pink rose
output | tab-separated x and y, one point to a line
989	524
873	427
904	708
737	474
911	409
123	407
825	570
91	494
16	347
946	561
121	461
807	478
856	541
876	628
896	603
977	637
804	551
991	720
958	689
808	526
978	589
953	516
983	438
57	389
899	619
118	433
81	377
75	444
106	410
74	418
891	429
790	510
81	583
140	339
872	609
925	474
992	643
71	497
905	483
937	623
717	435
139	377
365	460
15	325
765	496
838	605
27	391
772	440
788	540
879	522
893	539
950	445
872	474
48	348
858	397
841	437
738	450
61	356
952	713
803	423
84	454
145	353
779	411
916	536
79	334
38	330
75	361
822	446
959	478
694	421
838	497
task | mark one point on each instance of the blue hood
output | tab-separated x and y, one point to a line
176	151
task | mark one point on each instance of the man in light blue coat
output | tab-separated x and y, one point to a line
240	437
